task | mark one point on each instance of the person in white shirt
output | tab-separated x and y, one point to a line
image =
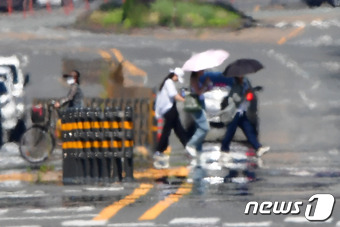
165	107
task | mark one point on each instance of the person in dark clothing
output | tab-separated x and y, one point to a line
74	98
238	97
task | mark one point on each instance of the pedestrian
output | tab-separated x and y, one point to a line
199	116
74	98
165	107
238	95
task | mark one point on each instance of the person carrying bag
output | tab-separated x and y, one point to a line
191	103
198	113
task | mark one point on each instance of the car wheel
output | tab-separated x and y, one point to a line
335	3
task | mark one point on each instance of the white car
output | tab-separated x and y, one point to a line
12	83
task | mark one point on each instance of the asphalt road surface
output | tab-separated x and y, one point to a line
299	112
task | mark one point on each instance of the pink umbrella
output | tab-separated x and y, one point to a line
205	60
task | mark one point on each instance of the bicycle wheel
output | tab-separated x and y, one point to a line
36	144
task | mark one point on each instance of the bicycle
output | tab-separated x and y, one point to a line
38	142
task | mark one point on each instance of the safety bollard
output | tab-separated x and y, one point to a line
69	170
128	143
117	144
81	145
107	151
97	145
77	144
91	165
86	144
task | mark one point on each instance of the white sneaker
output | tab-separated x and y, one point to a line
262	150
225	159
161	161
191	150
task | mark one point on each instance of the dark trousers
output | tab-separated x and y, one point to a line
247	128
171	121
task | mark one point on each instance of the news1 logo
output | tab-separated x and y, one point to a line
319	207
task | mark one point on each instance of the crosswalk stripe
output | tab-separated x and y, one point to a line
3	211
23	226
60	209
194	221
250	224
34	218
302	220
136	224
83	223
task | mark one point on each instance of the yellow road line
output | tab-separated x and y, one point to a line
117	54
132	69
290	35
105	55
161	206
113	209
17	177
181	171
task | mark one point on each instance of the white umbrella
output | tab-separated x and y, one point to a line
205	60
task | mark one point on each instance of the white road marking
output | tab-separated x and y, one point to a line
194	221
302	173
303	220
72	191
83	223
22	194
132	224
331	66
104	189
245	224
60	209
325	24
289	63
324	40
47	217
3	211
72	209
311	104
23	226
37	211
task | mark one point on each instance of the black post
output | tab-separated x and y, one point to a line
69	164
117	144
107	151
128	142
82	143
